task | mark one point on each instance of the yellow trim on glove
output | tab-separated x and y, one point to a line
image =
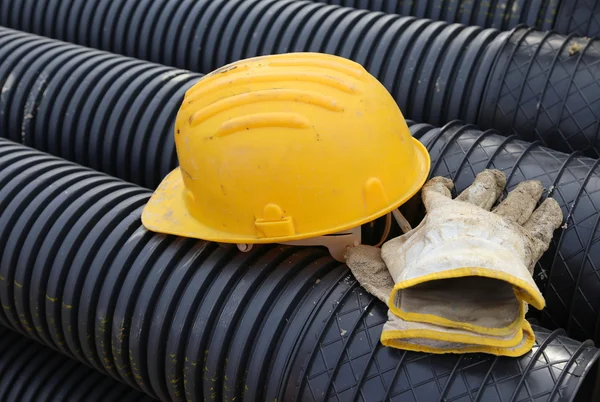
452	336
523	292
394	338
444	322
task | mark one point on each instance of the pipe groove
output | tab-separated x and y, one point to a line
30	372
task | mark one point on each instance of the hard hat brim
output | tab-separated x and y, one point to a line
166	210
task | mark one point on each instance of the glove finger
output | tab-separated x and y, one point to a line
435	191
485	190
542	224
520	203
370	271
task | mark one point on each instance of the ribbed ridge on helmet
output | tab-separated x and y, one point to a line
262	120
267	95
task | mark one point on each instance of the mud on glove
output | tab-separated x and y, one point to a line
464	275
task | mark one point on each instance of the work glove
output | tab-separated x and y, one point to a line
464	275
368	267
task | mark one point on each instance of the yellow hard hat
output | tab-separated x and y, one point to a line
286	147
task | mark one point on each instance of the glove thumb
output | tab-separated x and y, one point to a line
370	271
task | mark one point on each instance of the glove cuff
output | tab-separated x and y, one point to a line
439	320
461	258
470	256
440	342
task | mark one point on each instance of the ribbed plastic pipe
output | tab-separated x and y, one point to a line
578	17
436	71
545	86
187	320
101	110
539	85
500	14
30	372
134	142
122	25
95	108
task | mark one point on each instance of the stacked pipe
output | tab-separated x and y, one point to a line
546	87
92	107
175	317
502	14
537	84
428	66
123	127
30	372
185	319
85	20
580	17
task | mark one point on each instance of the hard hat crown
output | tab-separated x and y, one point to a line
286	147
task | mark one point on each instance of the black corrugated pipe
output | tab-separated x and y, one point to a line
499	14
97	108
436	71
540	85
127	133
30	372
108	112
119	25
578	17
546	87
184	319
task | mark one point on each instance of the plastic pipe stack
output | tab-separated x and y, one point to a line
92	107
123	139
179	318
581	17
537	84
89	91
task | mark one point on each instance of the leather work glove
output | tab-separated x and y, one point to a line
370	270
462	279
